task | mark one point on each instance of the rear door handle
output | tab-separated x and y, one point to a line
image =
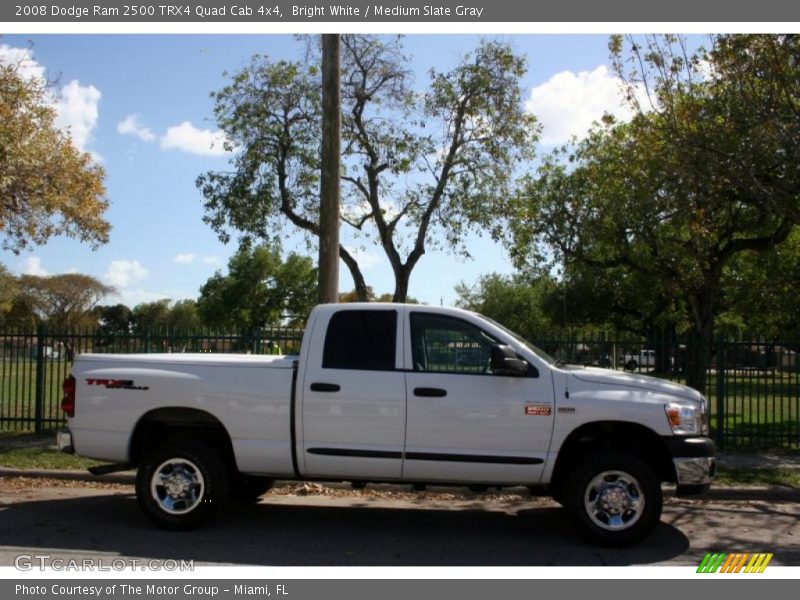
325	387
426	392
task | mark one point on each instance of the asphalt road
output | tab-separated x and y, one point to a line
80	522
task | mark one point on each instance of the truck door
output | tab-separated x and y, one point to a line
466	423
353	396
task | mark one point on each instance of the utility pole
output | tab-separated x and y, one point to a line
328	288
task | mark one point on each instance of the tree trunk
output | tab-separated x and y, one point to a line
700	341
362	292
402	275
328	289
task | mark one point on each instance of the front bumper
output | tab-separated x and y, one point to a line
695	463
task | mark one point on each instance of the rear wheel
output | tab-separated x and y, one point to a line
632	365
614	498
180	484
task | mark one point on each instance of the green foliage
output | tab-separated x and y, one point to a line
352	296
8	291
412	163
522	304
631	203
760	293
259	290
735	107
151	316
116	319
47	186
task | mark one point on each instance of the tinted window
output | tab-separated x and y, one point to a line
361	339
446	344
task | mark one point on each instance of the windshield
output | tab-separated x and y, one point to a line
532	347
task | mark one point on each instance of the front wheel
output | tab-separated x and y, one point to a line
614	498
181	484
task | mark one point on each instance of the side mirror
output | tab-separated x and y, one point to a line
504	361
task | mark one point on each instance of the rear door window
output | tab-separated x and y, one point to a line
361	340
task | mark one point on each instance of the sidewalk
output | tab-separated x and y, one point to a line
758	461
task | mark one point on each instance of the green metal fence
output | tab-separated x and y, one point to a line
33	365
753	386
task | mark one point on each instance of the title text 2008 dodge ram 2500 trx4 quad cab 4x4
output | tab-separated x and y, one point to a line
392	393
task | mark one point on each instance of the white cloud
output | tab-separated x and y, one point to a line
211	260
77	111
184	258
122	273
365	258
131	125
188	138
133	296
568	103
27	67
33	266
75	104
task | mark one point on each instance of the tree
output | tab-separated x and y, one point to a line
47	186
114	319
352	296
151	316
625	197
616	297
259	290
413	163
62	301
184	316
517	302
8	291
759	293
735	105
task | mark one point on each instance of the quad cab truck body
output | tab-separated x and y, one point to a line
391	393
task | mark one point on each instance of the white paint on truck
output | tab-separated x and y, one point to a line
404	393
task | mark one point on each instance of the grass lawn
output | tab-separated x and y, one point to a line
31	451
770	476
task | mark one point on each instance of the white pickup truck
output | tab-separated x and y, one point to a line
646	359
391	393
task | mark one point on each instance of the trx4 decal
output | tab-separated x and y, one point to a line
117	384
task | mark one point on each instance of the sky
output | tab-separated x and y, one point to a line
140	104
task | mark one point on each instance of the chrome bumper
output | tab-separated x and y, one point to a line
698	470
64	441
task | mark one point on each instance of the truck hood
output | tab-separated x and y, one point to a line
643	382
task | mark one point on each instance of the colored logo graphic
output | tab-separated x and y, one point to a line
739	562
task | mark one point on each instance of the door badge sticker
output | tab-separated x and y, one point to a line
537	411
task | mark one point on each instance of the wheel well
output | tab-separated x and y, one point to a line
189	423
614	435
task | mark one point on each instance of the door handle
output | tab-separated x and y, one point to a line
325	387
426	392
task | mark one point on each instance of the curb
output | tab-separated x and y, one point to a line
123	477
722	493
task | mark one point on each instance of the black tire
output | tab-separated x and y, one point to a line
196	466
249	488
632	365
613	497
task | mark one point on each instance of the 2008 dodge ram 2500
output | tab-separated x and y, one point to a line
392	393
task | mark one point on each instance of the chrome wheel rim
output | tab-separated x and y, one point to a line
614	500
177	486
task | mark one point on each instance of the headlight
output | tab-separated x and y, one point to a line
685	418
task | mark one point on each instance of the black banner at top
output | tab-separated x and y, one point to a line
272	11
